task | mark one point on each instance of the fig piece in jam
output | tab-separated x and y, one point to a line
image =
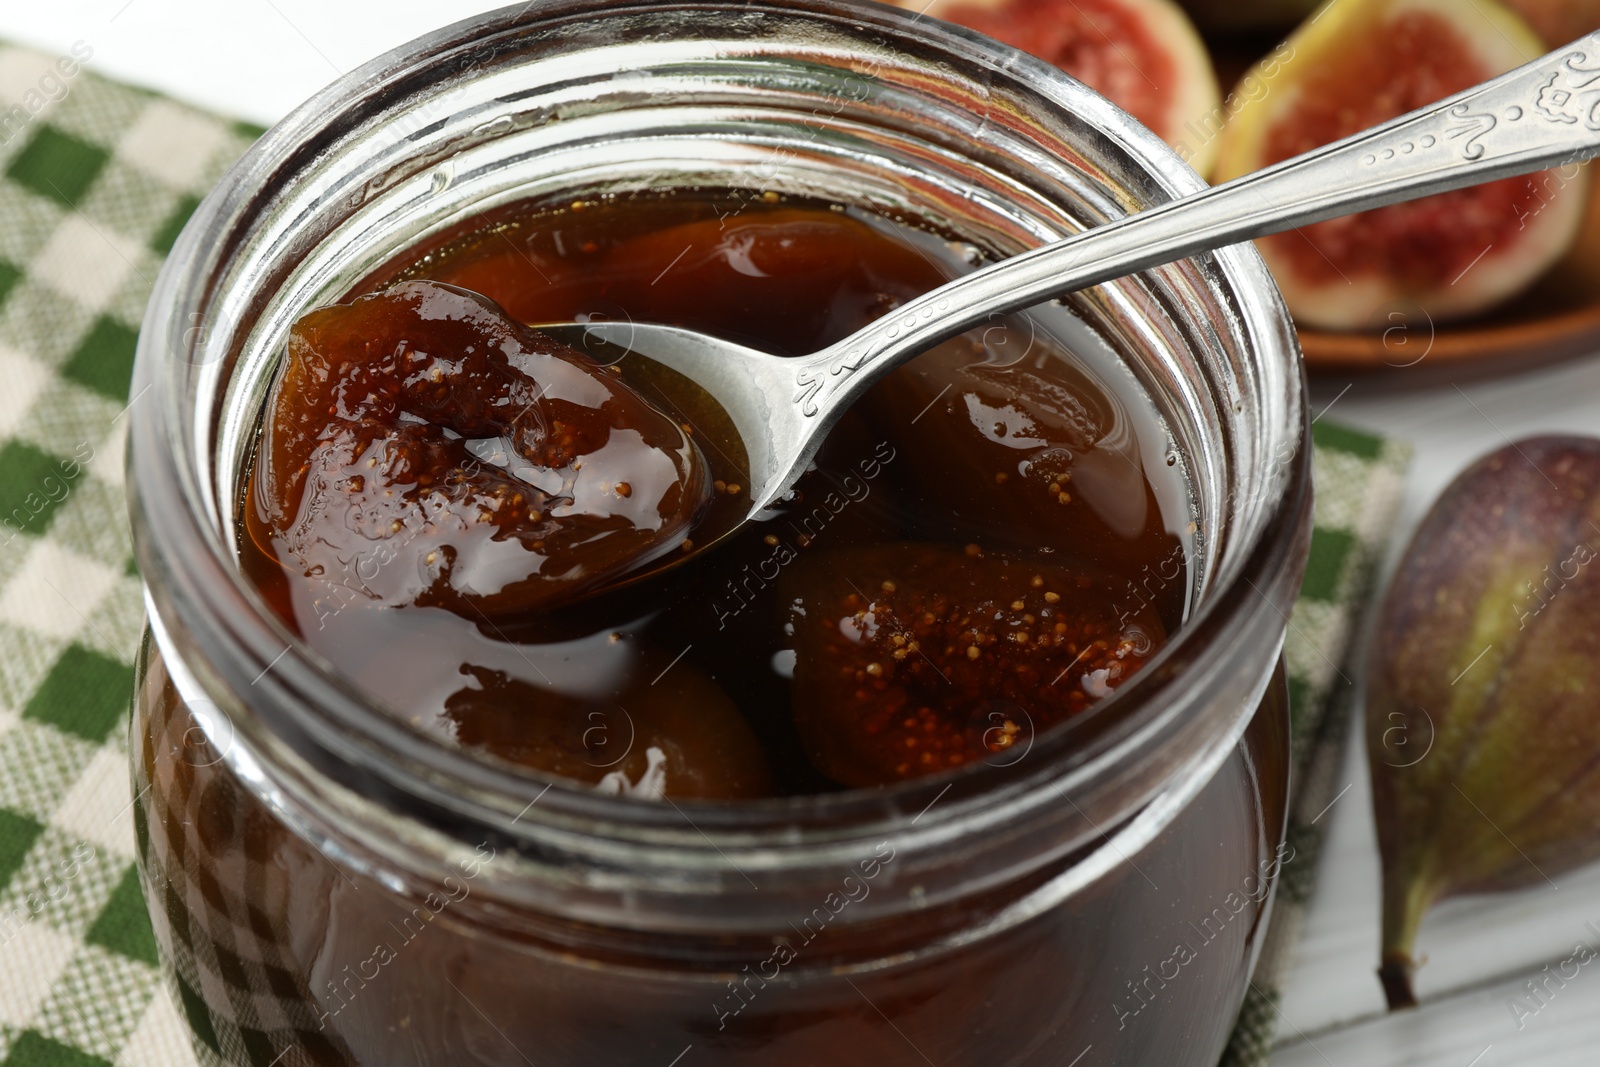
442	454
917	658
780	278
676	735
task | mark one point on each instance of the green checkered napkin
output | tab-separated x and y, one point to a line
1358	482
95	184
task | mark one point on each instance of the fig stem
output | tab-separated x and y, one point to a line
1395	974
1405	901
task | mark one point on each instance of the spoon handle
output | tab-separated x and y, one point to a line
1535	117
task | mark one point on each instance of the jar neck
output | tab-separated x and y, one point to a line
709	93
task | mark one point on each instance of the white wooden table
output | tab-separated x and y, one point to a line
256	59
1479	951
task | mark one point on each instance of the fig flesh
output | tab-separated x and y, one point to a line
1363	62
1143	55
1483	698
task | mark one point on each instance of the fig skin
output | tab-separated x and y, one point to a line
1188	103
1455	255
1483	697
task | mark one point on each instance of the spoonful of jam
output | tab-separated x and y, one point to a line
435	452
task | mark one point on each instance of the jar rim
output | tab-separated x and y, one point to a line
195	586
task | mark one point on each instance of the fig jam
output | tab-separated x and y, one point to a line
988	544
494	535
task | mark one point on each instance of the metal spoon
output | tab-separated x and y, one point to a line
1540	115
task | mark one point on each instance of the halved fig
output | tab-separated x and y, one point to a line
1559	22
1363	62
421	448
912	659
1142	55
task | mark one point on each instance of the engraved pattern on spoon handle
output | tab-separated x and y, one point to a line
1504	118
1542	114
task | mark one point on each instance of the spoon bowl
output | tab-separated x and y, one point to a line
751	388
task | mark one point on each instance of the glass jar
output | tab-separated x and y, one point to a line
331	886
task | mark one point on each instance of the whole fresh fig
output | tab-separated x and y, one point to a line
1483	697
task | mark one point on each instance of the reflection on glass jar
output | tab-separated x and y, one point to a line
353	856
